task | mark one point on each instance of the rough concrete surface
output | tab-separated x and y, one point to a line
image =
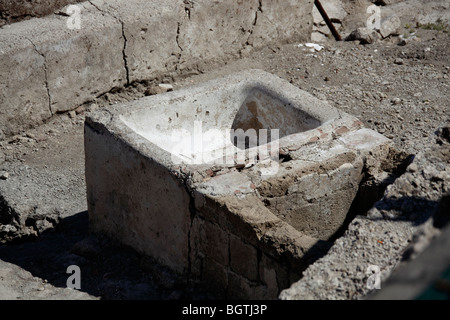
59	70
397	86
63	65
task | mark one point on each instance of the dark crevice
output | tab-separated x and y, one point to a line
442	216
369	192
258	10
380	2
178	37
285	157
188	6
193	213
124	54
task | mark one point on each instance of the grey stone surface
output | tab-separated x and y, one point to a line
281	21
59	68
119	42
150	30
416	12
364	35
334	9
202	39
390	26
31	104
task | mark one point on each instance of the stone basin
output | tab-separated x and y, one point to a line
232	183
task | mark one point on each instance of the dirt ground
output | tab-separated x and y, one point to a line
398	89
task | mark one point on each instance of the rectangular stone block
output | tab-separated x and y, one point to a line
279	21
212	30
56	67
22	66
81	63
210	240
151	33
243	259
316	203
216	277
155	222
273	276
240	288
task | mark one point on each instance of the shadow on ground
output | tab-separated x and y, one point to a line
111	271
108	270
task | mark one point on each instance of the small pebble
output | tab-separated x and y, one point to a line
72	114
396	101
80	110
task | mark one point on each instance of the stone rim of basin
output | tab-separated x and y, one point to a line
120	119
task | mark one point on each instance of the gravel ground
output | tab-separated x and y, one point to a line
400	91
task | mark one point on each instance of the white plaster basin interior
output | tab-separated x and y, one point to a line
200	122
262	109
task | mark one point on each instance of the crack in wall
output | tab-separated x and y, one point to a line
45	76
192	215
188	5
258	11
124	53
177	39
125	40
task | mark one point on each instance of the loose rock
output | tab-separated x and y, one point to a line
80	110
165	87
396	101
72	114
364	35
161	88
390	26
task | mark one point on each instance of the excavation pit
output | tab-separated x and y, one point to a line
234	183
